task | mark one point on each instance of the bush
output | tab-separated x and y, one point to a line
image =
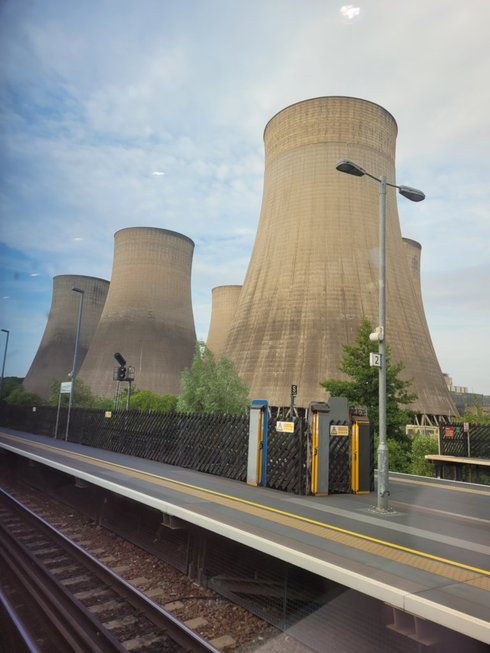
422	445
399	455
20	397
147	400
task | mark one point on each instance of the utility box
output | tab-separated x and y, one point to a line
257	442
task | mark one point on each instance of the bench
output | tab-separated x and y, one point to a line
458	464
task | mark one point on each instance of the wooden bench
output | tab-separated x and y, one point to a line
458	464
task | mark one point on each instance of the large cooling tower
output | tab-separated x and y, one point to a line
223	308
413	251
148	313
314	271
54	358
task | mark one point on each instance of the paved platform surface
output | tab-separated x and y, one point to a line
429	556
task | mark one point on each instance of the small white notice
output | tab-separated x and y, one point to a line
339	429
285	427
65	387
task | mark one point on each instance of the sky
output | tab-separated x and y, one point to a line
125	113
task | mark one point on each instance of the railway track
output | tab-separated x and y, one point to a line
57	597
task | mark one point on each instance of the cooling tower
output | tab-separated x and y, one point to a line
413	251
54	358
148	313
223	308
313	273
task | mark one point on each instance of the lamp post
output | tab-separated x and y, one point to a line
4	359
351	168
73	369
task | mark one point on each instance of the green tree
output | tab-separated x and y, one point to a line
18	396
363	388
422	445
211	386
9	384
148	400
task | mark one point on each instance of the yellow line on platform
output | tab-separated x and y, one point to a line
345	536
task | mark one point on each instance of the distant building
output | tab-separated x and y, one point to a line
466	401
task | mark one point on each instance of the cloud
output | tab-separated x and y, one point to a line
101	98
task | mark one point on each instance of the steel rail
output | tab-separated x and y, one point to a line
65	611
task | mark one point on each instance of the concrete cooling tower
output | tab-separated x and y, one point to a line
223	308
148	313
313	273
54	358
413	251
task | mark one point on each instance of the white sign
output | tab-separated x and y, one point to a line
65	387
339	429
375	359
285	427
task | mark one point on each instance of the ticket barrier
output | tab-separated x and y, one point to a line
340	449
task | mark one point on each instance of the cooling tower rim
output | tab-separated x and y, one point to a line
227	285
330	97
411	241
80	276
159	230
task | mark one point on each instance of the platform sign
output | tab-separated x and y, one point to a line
375	360
449	431
65	387
285	427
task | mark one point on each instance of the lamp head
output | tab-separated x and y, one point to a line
411	193
78	290
351	168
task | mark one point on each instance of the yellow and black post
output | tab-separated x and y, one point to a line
320	447
361	456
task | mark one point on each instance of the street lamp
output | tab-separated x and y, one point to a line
74	366
4	359
351	168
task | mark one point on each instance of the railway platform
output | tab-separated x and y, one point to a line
427	557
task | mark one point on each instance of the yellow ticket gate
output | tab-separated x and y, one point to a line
341	449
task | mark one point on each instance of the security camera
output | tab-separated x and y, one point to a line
377	335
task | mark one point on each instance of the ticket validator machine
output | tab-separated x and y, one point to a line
257	443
